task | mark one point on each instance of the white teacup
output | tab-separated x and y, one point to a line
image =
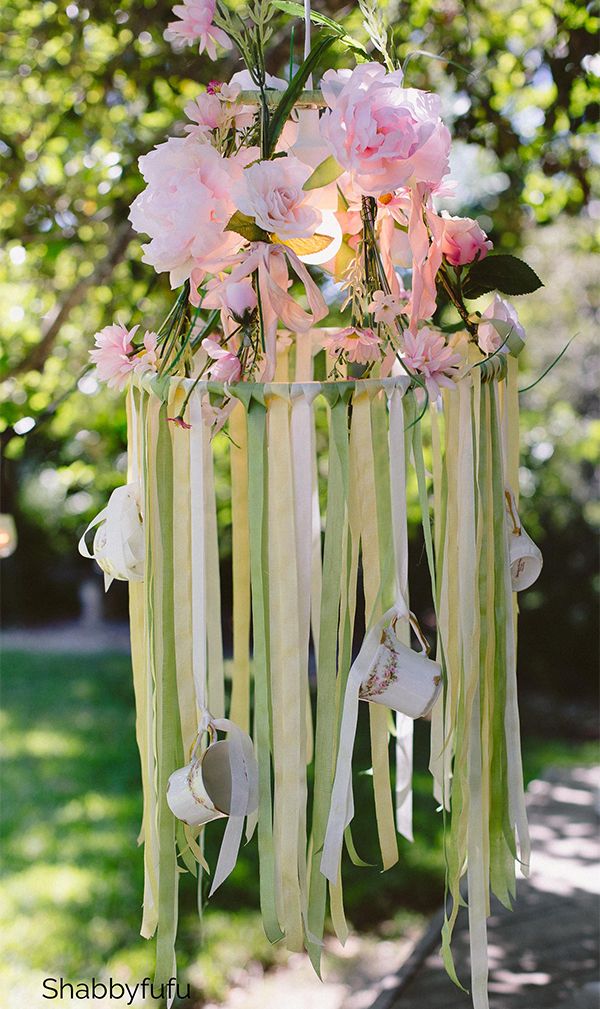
401	678
201	791
118	546
525	558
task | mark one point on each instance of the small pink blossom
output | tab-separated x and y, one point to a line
463	240
227	367
146	359
195	25
207	112
180	422
116	357
383	134
386	308
359	344
428	355
271	192
492	338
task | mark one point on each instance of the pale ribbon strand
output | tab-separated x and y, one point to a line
244	773
404	724
198	556
342	801
288	700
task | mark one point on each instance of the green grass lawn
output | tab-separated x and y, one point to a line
72	873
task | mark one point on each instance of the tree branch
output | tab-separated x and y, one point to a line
39	353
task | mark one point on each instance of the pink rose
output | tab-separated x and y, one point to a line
428	354
195	25
384	135
271	192
186	207
463	240
491	337
227	367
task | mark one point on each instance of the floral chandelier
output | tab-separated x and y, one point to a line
279	200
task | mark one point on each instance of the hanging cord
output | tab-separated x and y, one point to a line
309	82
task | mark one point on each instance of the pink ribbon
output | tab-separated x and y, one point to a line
276	303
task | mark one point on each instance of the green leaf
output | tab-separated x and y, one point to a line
294	90
328	171
246	227
503	273
297	10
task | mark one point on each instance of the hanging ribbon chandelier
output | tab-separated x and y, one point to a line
321	430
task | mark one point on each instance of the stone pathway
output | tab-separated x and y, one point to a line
77	637
544	954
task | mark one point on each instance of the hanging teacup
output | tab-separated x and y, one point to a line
202	790
118	545
401	678
525	558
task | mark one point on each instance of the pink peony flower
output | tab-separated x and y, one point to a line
384	135
463	240
186	207
116	357
428	355
386	308
489	337
271	192
195	25
236	298
359	345
227	367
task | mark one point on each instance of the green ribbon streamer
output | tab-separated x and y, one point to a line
325	732
257	519
379	430
502	840
169	748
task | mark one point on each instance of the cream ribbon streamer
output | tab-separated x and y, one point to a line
244	796
341	810
288	698
244	771
404	724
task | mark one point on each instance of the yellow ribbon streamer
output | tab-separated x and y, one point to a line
287	696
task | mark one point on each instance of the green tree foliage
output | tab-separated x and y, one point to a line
86	88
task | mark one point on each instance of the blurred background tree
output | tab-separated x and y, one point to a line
86	88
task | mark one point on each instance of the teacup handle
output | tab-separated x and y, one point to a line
512	513
194	748
414	623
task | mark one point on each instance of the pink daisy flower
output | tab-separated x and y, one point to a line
116	357
359	345
428	355
227	367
